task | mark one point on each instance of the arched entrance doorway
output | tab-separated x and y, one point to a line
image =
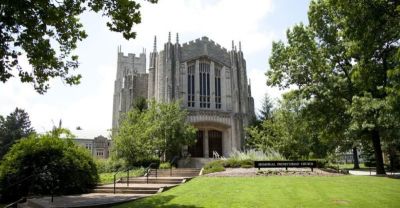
207	142
196	150
214	142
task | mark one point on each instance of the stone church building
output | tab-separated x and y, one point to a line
209	79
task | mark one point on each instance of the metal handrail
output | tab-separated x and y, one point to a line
147	171
127	178
171	163
115	174
28	177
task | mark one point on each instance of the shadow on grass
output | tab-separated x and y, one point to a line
156	201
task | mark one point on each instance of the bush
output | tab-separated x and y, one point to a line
146	162
165	165
246	164
214	166
235	163
321	163
49	163
231	163
110	165
254	155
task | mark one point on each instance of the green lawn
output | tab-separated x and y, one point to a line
109	177
348	166
279	191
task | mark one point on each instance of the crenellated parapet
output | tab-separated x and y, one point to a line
204	47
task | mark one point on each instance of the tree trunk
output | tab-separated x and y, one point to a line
376	141
355	158
392	157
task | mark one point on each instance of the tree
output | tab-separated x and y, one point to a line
140	104
291	131
46	164
347	56
157	132
48	31
16	126
266	108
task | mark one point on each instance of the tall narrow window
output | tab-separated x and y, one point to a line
120	101
217	87
190	79
204	75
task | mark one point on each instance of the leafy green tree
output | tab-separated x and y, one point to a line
140	104
158	132
290	131
48	31
46	164
347	56
266	108
14	127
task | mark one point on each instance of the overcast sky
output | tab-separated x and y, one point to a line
256	23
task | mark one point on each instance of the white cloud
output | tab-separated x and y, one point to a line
89	104
259	88
224	21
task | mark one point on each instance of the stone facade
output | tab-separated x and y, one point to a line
210	80
130	83
99	146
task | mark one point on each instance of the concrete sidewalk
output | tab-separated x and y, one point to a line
83	200
372	173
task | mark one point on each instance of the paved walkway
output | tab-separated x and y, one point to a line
85	200
150	185
372	172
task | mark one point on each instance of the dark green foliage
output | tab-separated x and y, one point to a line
292	131
50	163
321	163
165	165
110	165
140	104
345	63
214	166
145	162
220	165
235	163
368	155
157	132
267	108
14	127
247	164
48	31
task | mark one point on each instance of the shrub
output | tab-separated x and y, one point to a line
49	163
146	162
214	166
236	163
165	165
321	163
232	163
110	165
256	155
246	164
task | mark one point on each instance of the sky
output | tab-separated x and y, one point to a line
256	23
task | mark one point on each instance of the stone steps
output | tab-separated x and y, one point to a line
126	190
138	187
153	180
179	172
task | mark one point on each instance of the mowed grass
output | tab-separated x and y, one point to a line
279	191
109	177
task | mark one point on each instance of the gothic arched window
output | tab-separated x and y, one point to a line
190	78
204	75
217	86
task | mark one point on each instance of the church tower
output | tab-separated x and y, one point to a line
210	80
